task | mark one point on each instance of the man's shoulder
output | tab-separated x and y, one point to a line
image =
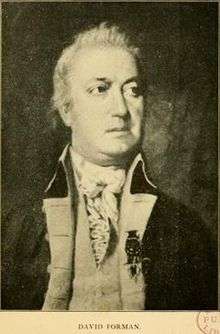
25	255
182	260
22	223
176	212
182	226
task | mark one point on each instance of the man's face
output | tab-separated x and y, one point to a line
106	107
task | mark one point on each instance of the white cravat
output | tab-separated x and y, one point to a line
99	185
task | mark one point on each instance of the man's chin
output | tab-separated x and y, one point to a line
122	151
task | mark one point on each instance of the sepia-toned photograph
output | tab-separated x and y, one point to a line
109	156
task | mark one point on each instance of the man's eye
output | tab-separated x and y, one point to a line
98	90
132	91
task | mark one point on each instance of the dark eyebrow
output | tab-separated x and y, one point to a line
102	79
136	79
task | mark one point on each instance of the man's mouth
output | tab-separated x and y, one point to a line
123	128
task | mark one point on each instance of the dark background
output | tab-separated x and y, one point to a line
180	46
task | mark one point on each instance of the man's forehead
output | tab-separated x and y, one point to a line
104	64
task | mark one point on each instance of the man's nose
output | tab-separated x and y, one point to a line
119	106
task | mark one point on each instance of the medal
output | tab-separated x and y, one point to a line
133	251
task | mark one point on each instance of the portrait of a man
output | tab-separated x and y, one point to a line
104	236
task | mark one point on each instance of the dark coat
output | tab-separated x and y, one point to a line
180	271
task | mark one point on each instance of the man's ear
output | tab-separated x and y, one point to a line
65	114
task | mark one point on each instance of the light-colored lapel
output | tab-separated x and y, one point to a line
61	231
134	215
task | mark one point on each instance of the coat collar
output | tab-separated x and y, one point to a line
62	184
